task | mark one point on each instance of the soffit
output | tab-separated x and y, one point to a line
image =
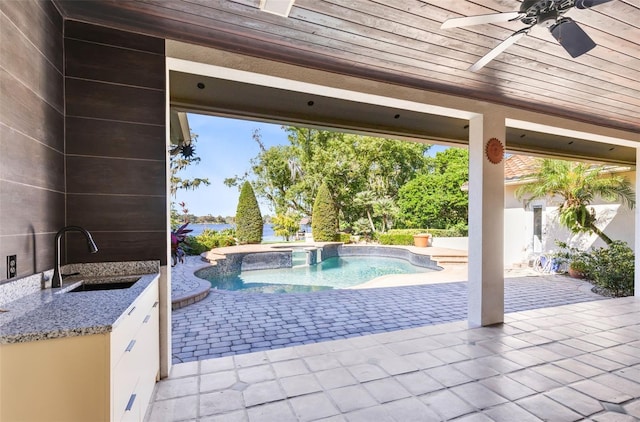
238	99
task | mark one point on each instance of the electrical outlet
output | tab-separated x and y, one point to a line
12	266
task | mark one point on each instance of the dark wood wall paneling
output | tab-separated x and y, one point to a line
31	134
115	143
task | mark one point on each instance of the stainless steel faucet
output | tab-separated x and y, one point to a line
57	277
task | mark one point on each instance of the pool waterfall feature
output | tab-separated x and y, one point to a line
240	259
305	256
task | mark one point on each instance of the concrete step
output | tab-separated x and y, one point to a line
450	259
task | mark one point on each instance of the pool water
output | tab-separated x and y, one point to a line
332	273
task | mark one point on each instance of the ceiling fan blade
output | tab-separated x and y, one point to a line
570	36
498	49
586	4
480	19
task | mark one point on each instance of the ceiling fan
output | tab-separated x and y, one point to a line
545	13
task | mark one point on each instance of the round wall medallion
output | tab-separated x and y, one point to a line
495	150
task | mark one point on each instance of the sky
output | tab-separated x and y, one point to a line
225	147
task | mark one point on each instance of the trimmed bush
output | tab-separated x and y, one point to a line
324	221
248	218
405	236
395	239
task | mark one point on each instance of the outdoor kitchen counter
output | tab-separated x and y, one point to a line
54	313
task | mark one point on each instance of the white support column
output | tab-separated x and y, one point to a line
486	223
636	246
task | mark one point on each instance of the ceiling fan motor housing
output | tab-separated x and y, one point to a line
548	19
544	12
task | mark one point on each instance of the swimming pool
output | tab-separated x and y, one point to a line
332	273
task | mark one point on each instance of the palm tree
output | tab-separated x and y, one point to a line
577	184
366	199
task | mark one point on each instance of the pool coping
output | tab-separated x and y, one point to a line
192	296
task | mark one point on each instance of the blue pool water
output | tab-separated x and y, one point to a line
332	273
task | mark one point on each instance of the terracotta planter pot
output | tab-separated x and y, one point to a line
575	273
421	240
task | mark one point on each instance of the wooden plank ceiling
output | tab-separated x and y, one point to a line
401	42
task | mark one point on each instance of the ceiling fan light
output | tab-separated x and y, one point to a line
277	7
572	37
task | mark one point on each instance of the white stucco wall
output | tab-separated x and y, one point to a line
461	243
616	221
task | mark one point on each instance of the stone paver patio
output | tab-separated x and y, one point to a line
227	323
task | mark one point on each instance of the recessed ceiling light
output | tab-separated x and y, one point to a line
570	142
397	116
612	148
466	126
200	85
310	103
277	7
523	135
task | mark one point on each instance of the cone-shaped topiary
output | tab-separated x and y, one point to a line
248	217
324	222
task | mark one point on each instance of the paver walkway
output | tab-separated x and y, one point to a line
228	323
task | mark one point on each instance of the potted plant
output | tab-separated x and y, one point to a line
422	240
577	268
177	237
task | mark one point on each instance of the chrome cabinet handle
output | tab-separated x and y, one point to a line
155	304
130	346
146	319
130	403
131	311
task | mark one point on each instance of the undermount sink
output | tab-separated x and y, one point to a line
105	285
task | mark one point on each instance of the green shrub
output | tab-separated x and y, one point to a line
345	238
207	240
612	268
362	227
248	218
405	236
324	222
395	239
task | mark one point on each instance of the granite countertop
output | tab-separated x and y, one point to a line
54	313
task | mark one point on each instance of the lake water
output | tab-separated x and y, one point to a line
267	232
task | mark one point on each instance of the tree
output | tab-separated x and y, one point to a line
386	209
577	185
366	199
181	157
289	176
285	225
435	199
248	218
324	224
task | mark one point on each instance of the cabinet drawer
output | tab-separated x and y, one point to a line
150	337
131	321
124	379
133	409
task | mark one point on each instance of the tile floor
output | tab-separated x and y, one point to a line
568	363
